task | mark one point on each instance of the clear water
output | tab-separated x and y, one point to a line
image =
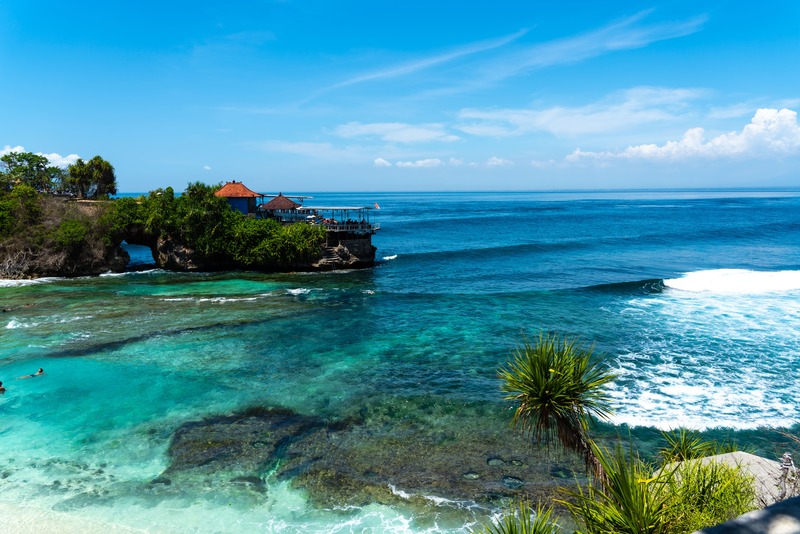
694	298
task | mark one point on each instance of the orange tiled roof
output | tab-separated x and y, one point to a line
235	189
280	203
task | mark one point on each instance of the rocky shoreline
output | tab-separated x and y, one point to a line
168	253
366	458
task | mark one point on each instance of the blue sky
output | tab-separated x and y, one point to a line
326	95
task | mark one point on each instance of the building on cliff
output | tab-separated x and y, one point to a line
349	229
239	197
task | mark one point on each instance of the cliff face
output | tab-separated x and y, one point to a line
22	258
34	262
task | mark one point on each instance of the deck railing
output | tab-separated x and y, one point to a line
355	228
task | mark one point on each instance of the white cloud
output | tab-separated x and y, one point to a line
770	132
206	168
396	132
9	149
618	112
421	64
494	161
455	162
421	163
325	151
626	34
56	160
380	162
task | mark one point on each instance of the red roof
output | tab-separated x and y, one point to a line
280	203
235	189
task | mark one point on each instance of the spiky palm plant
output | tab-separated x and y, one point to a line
559	387
629	501
684	444
521	518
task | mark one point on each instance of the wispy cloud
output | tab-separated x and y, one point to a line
620	111
396	132
494	161
411	67
324	151
626	34
421	163
770	132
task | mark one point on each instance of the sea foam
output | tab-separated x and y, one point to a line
736	281
698	356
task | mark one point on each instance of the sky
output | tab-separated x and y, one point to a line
336	95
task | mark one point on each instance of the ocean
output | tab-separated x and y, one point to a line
378	388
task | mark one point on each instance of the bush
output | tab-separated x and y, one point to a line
521	518
704	494
629	500
70	233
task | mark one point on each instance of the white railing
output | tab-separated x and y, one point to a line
353	227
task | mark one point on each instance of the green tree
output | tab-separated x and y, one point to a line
92	179
29	169
559	388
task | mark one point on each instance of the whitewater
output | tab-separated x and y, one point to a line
691	298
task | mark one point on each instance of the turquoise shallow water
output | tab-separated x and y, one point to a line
692	297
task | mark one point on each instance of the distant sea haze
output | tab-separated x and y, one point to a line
692	299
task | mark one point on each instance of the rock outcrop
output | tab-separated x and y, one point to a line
363	459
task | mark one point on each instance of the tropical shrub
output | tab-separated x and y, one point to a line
70	234
558	387
521	518
629	500
704	494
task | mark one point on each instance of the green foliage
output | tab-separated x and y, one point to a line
124	213
198	219
704	494
19	210
629	500
71	233
207	224
159	212
204	220
93	179
522	519
27	168
684	444
559	387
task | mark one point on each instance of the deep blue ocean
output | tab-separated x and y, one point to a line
691	297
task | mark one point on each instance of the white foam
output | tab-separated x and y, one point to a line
390	258
28	282
736	281
298	291
706	359
133	273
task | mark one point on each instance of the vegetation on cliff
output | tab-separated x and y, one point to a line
43	232
559	389
218	235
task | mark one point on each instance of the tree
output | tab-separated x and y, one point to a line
29	169
92	179
559	389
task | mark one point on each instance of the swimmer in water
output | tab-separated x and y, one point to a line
2	389
40	372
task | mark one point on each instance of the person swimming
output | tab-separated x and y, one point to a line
40	372
2	389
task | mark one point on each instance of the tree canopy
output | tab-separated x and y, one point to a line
92	179
29	169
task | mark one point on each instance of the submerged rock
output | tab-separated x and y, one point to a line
368	458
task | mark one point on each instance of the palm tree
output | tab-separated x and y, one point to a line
559	387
